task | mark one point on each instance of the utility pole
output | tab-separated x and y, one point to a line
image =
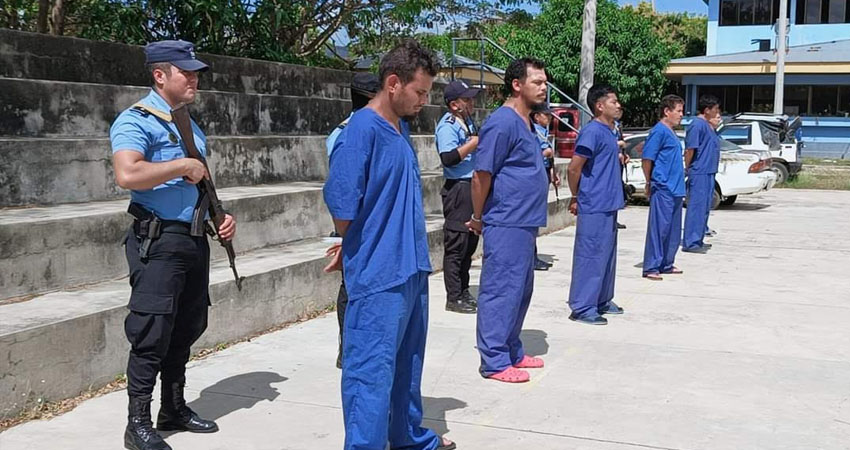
781	34
653	5
588	54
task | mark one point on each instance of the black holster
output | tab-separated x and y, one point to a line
147	227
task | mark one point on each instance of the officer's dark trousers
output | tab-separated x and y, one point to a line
459	243
168	308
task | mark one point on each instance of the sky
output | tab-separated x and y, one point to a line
691	6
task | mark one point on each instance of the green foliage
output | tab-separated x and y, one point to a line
683	31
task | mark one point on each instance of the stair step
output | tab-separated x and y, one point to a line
51	171
53	247
74	109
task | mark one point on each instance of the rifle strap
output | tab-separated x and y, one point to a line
158	113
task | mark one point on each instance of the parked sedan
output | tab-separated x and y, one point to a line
740	171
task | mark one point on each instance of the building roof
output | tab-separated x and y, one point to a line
824	57
470	69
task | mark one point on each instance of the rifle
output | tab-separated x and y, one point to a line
551	173
208	201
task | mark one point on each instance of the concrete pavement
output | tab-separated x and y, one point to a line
749	349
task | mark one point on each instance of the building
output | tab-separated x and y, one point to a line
740	66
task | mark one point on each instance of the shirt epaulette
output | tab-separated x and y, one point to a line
166	116
451	119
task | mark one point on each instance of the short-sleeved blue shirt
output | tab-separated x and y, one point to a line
601	188
332	138
374	182
543	138
510	152
158	140
702	137
663	146
450	135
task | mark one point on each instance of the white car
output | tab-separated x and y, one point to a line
772	133
740	171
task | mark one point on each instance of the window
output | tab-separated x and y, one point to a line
565	119
823	11
739	135
824	101
796	100
634	147
750	12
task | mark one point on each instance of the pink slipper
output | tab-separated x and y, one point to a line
511	375
653	276
529	362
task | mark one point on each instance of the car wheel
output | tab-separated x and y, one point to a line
715	199
729	201
781	172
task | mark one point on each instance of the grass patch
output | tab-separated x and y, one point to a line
830	180
825	162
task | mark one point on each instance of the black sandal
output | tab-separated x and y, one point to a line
451	446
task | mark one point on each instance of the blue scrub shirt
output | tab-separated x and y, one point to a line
374	182
509	150
158	141
704	140
450	135
662	146
601	187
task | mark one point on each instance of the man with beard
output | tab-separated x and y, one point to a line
509	191
597	195
374	194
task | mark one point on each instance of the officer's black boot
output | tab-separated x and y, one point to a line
140	434
174	415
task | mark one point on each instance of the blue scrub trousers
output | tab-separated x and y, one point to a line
507	282
383	353
594	264
663	232
700	192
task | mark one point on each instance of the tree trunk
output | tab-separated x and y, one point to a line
58	18
43	12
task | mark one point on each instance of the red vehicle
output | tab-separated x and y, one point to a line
564	128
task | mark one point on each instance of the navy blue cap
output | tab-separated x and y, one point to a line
458	89
366	84
179	53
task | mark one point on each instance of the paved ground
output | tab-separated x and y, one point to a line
749	349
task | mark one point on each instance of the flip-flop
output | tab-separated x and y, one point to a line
675	271
443	446
529	362
653	276
511	375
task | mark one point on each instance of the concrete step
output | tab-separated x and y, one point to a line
48	248
56	345
38	108
52	171
44	57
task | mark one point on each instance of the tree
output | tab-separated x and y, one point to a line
685	32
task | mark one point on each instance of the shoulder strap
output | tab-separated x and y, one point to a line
166	116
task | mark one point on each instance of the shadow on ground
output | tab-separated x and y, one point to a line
435	412
534	342
235	393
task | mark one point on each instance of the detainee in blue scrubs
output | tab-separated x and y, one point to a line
664	167
702	157
364	86
509	191
374	194
597	196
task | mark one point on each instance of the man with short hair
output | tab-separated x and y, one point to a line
364	86
457	141
597	196
169	267
702	158
665	188
374	194
509	192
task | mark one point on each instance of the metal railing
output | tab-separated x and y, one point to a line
481	65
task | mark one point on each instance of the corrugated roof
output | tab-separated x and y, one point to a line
825	52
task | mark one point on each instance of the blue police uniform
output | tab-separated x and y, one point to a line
543	137
169	269
701	137
459	244
374	182
664	228
335	134
600	197
508	149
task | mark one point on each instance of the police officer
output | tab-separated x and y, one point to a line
169	268
457	142
541	117
364	86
